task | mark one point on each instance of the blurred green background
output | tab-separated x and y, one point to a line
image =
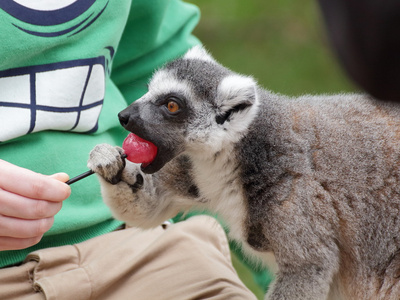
282	44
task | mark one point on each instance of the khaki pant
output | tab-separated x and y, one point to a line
187	260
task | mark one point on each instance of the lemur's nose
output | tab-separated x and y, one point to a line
123	118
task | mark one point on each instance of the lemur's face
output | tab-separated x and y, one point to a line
185	108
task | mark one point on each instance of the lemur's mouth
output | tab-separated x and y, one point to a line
163	157
131	121
153	154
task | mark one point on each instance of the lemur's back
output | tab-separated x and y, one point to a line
334	164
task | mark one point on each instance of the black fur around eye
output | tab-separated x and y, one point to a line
172	104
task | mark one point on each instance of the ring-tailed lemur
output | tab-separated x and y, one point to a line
313	181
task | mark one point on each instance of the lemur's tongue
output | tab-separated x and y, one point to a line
139	150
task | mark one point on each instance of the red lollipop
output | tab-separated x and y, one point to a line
139	150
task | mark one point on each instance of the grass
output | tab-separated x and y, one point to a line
282	44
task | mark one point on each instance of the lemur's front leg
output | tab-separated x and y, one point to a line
134	197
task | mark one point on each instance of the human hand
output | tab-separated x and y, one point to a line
28	204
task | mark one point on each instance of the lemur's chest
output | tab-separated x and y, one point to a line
218	180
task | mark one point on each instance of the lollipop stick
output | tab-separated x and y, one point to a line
87	173
79	177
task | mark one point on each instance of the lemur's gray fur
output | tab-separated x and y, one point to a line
313	181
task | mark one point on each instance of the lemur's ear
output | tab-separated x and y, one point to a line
198	52
236	93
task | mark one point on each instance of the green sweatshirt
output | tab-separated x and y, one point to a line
66	70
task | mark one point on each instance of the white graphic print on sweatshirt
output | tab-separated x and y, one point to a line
64	96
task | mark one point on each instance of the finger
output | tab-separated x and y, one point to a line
20	228
32	185
9	243
63	177
13	205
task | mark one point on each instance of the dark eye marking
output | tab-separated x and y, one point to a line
171	104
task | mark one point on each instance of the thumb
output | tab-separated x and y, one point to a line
60	176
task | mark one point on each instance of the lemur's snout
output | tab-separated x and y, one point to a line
130	118
123	118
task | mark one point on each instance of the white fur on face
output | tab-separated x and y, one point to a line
164	82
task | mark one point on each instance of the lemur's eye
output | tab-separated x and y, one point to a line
172	106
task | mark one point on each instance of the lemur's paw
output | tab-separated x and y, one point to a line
106	161
133	176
